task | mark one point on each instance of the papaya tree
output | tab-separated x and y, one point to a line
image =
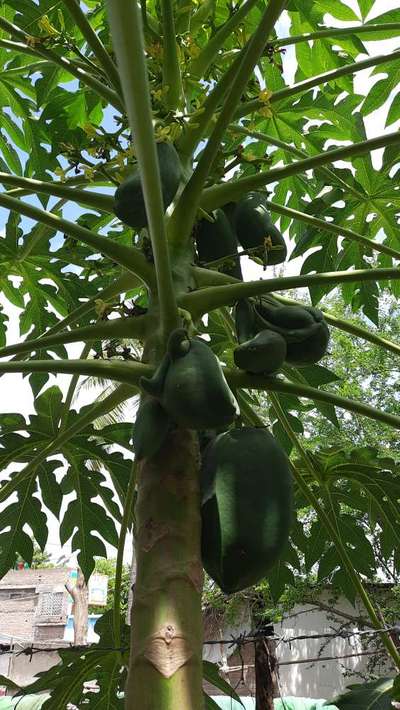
147	151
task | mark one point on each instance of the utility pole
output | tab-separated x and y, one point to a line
80	608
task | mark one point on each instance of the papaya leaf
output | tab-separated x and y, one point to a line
94	663
15	539
83	517
210	704
279	577
211	675
375	695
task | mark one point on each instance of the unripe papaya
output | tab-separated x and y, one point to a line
246	506
254	228
265	353
303	328
245	324
151	428
129	204
216	240
191	386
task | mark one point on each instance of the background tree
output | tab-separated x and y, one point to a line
88	90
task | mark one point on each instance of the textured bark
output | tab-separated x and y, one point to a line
80	609
165	668
266	682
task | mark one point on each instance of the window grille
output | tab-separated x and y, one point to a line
51	604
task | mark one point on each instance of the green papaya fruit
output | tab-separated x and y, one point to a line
215	240
254	228
312	349
246	506
303	328
151	428
265	353
129	204
191	386
245	324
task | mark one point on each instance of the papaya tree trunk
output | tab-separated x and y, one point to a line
165	668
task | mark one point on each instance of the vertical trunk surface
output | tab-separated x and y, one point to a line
265	665
80	609
166	624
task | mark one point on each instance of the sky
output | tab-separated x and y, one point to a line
15	395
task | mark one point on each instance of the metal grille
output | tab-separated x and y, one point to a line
51	604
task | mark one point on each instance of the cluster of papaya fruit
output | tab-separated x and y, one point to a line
270	334
245	476
246	505
247	223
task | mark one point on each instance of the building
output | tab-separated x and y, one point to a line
35	610
34	604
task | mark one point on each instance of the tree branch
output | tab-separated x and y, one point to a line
183	217
220	194
125	327
302	86
199	65
104	203
127	373
204	300
238	378
126	30
172	80
129	257
288	148
332	32
94	42
331	227
196	127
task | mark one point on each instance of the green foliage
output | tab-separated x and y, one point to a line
97	662
67	123
376	695
211	675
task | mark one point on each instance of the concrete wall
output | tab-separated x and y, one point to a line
319	679
23	669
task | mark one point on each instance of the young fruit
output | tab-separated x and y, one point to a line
245	324
246	506
129	204
263	354
216	240
303	328
191	386
255	229
151	428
